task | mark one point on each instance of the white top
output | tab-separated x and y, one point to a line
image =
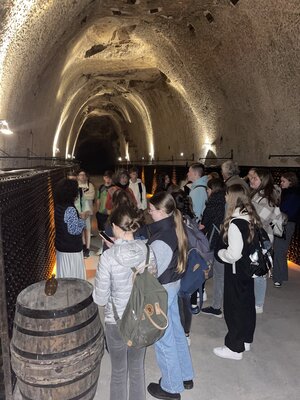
142	205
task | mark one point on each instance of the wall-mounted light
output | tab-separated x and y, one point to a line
120	159
181	154
143	158
69	156
4	128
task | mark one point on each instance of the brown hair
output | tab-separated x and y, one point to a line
121	197
291	177
127	218
266	187
238	197
164	201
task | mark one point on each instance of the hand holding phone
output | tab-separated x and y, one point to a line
105	237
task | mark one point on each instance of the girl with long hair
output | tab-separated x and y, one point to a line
239	302
265	198
169	243
113	284
121	182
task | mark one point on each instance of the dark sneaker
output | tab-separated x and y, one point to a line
188	385
156	391
216	312
195	310
86	253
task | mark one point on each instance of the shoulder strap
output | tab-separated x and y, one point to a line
199	186
147	258
134	270
215	228
140	190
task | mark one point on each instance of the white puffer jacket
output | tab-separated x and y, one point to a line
114	275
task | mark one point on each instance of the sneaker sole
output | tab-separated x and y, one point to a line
228	358
214	315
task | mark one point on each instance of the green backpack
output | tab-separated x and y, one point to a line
144	320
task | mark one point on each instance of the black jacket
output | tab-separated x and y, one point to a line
214	215
64	241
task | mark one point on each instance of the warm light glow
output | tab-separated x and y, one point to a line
120	159
181	154
127	151
4	128
293	266
69	156
142	109
54	270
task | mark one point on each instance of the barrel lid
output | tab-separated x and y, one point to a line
70	292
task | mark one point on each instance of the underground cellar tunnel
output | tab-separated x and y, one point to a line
156	83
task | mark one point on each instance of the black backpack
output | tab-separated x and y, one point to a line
260	262
260	258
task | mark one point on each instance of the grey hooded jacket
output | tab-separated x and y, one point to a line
114	275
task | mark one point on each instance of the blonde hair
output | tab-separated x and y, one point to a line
238	197
165	202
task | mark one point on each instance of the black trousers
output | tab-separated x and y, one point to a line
101	220
184	304
239	308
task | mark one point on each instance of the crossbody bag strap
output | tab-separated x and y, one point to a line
140	190
215	228
135	271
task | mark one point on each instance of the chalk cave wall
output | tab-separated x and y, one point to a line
192	77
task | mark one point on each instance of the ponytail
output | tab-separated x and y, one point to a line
182	242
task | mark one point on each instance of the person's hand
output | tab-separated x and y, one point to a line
206	273
109	244
200	226
84	215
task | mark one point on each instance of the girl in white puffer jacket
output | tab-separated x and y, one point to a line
114	283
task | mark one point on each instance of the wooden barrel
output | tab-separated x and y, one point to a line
58	342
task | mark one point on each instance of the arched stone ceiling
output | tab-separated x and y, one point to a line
198	77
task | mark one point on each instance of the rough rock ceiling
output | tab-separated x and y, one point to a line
192	76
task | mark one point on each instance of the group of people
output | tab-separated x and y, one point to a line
227	209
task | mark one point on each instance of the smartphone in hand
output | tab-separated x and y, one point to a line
105	237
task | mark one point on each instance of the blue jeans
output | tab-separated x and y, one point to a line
260	286
127	367
172	351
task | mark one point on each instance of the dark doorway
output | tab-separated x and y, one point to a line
98	146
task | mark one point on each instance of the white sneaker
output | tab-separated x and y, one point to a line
188	339
247	346
204	298
225	352
259	309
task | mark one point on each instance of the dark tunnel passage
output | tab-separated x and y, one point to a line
97	146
